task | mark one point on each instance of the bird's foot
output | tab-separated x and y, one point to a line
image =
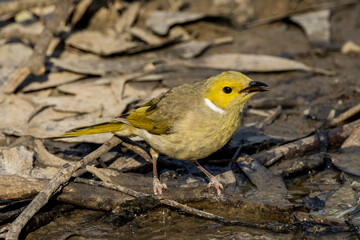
216	184
158	186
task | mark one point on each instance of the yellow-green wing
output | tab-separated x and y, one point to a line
143	117
158	115
140	119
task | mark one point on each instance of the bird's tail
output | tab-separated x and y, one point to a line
113	126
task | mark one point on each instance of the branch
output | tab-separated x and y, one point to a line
345	115
335	137
187	209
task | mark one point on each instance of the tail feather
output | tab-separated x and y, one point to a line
112	126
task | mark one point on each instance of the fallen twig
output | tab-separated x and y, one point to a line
271	118
274	115
135	148
167	202
187	209
345	115
54	185
193	211
35	64
335	137
108	185
261	177
258	112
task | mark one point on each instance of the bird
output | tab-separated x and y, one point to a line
188	122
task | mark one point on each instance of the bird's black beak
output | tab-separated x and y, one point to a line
255	86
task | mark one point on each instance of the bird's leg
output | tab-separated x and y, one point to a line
157	185
213	181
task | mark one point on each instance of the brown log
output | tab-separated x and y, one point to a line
16	187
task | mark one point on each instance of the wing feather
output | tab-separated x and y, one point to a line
158	115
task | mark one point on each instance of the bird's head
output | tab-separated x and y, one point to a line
230	90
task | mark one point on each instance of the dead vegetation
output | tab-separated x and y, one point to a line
292	169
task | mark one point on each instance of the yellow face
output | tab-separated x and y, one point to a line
231	89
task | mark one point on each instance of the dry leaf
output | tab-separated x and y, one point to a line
29	32
88	98
82	65
316	25
195	48
176	34
349	47
348	159
103	20
118	85
16	160
91	65
139	90
251	63
353	140
49	114
341	203
50	80
79	11
53	128
15	110
5	73
161	21
14	54
190	49
146	36
127	18
99	43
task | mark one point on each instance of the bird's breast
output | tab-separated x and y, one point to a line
196	136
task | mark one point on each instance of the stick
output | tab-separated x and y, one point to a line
125	190
54	185
168	202
35	64
335	137
192	211
131	145
137	149
187	209
280	228
345	115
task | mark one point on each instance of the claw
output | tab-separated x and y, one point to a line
217	185
158	186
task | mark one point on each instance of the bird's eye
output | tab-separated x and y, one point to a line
227	90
